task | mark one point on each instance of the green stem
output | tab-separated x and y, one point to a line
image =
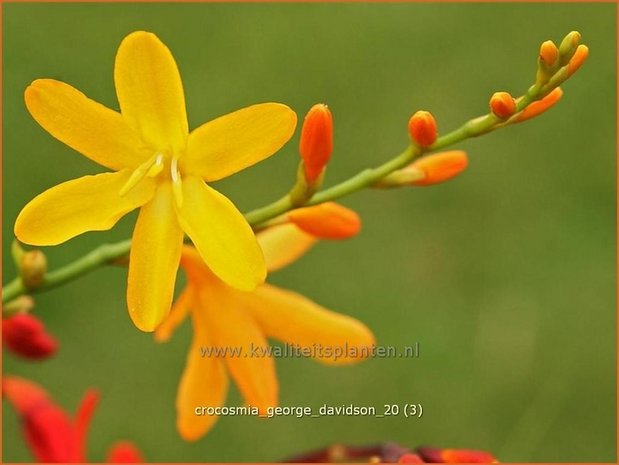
108	253
105	253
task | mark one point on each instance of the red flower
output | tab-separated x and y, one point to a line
50	433
25	335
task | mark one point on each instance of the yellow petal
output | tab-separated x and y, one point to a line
221	234
238	140
89	203
232	327
155	254
283	244
90	128
150	92
294	319
178	313
204	384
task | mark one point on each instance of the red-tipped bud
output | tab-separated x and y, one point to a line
549	52
439	167
124	452
328	220
422	128
581	54
410	458
316	141
25	335
540	106
502	104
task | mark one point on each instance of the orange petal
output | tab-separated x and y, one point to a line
178	313
204	382
283	244
294	319
231	326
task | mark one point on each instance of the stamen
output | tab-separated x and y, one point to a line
139	173
177	188
157	167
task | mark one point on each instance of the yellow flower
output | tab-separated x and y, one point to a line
227	319
160	167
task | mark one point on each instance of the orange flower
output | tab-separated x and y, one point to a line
25	335
540	106
502	104
422	128
316	142
234	326
51	434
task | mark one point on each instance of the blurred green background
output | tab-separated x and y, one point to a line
506	275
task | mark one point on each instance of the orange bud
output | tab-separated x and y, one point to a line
540	106
316	140
422	128
410	458
328	220
466	456
440	167
581	54
124	452
549	52
502	104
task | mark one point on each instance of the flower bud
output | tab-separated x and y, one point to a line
33	267
439	167
581	54
502	104
22	304
568	47
540	106
25	335
316	142
422	128
435	455
549	52
124	452
328	220
410	458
